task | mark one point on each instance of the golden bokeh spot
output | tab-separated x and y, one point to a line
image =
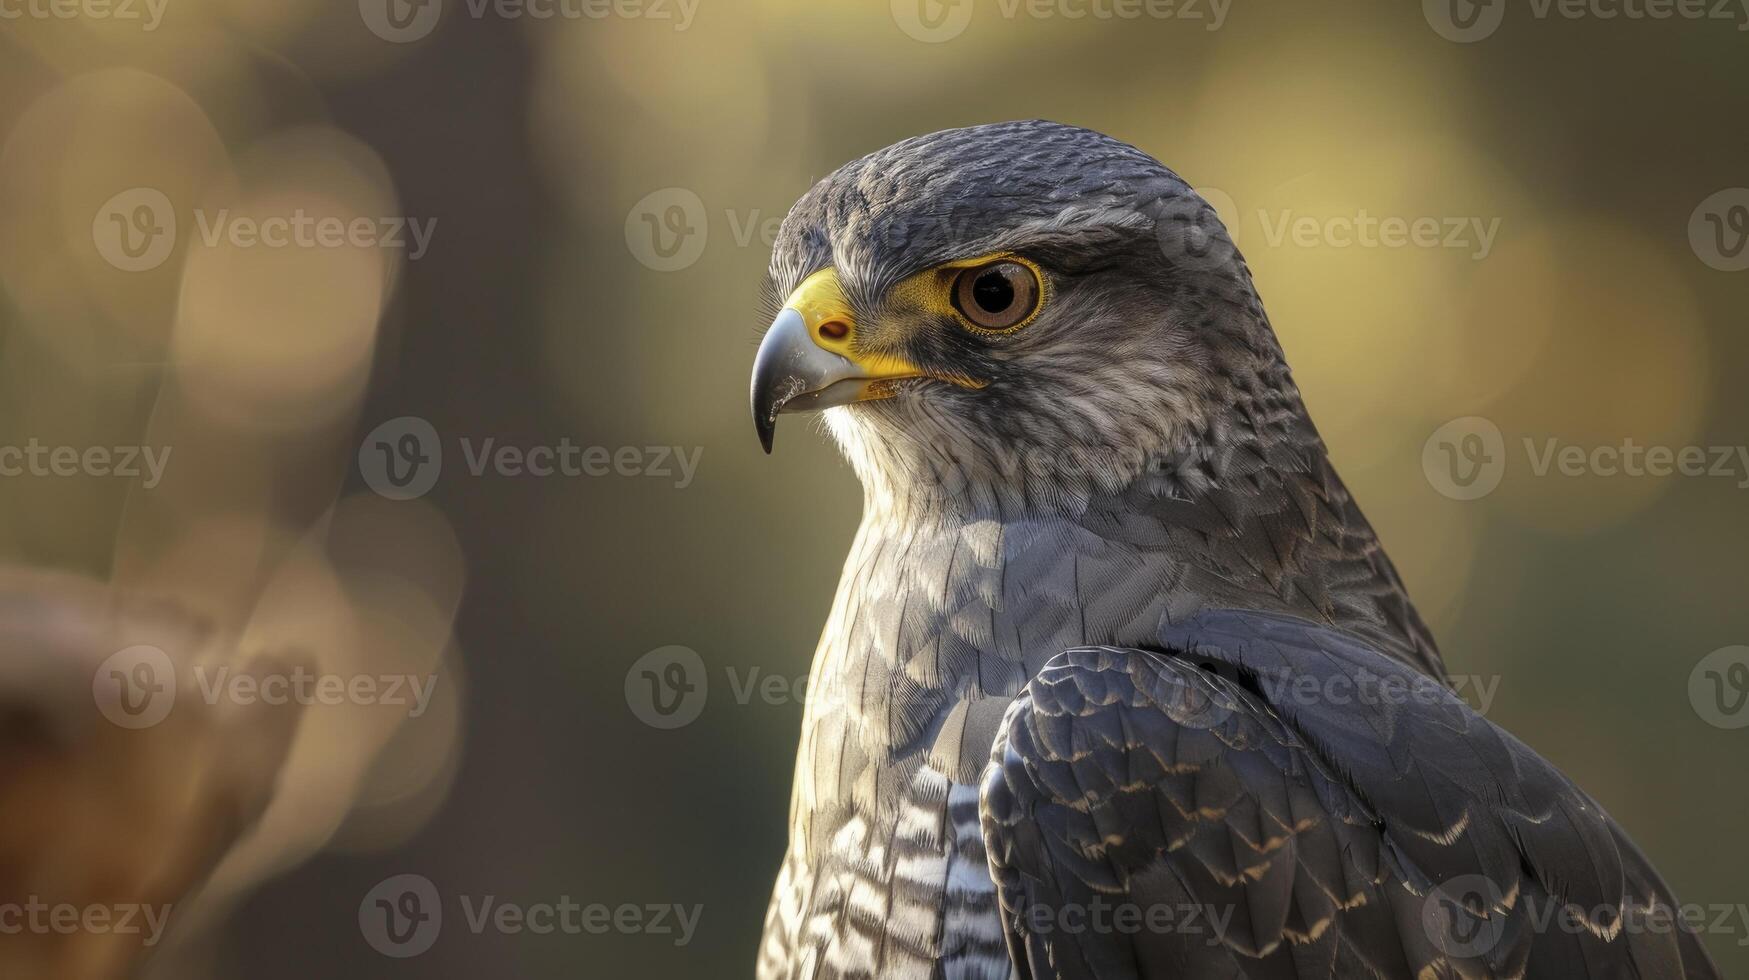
116	141
285	280
1625	357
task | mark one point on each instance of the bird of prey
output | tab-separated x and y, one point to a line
1118	682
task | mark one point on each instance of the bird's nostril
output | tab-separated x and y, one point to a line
834	330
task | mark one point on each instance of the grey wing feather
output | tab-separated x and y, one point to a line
1264	797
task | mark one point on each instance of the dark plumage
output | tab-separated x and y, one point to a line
1092	545
1317	827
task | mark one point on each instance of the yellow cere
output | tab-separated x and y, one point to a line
821	302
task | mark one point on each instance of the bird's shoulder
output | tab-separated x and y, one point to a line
1262	796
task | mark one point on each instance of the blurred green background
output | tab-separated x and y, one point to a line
605	182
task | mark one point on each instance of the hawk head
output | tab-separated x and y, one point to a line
1022	308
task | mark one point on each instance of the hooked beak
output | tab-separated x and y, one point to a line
809	361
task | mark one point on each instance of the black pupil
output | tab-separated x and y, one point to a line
993	292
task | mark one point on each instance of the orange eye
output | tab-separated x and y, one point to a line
1001	295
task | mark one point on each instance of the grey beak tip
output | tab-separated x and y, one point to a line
789	370
764	407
